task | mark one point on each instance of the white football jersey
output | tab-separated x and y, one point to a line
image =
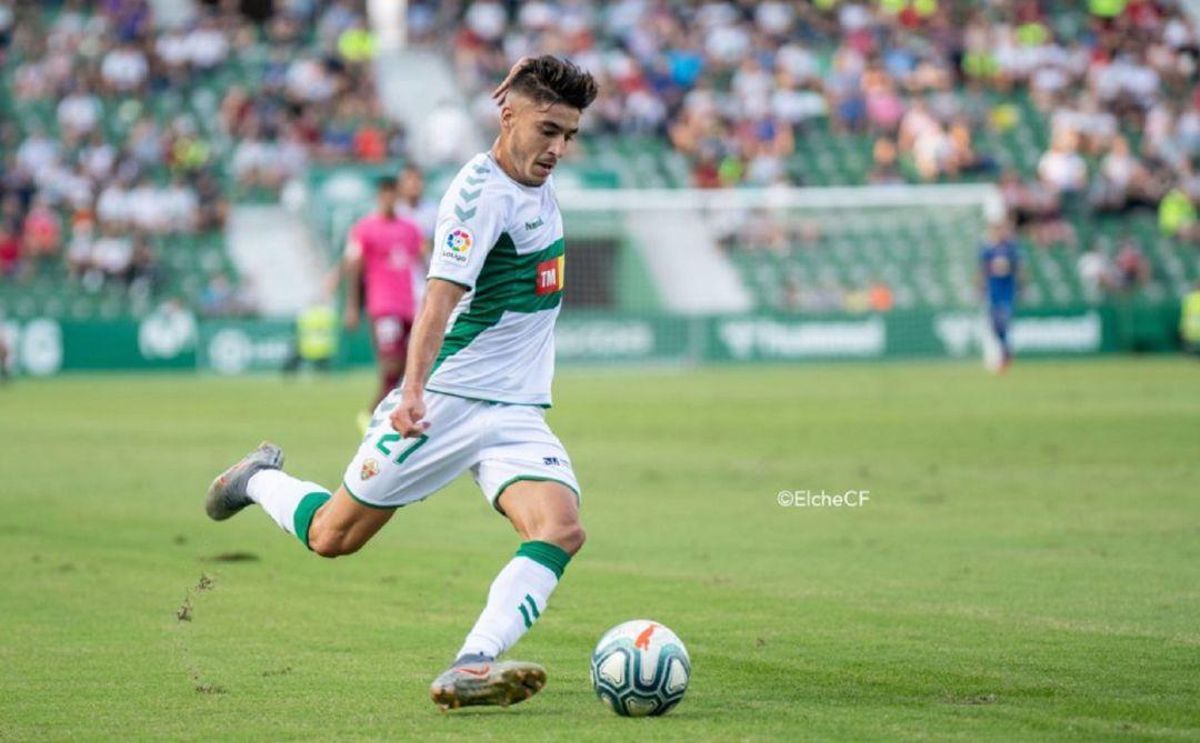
503	241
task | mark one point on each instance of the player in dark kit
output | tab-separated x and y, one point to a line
999	270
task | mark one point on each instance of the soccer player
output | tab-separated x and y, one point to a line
478	379
999	266
382	252
412	202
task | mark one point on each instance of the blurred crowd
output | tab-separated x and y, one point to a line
127	128
934	85
149	123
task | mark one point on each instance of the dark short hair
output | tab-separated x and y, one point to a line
385	183
549	80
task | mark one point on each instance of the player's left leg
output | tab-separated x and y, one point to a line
524	471
546	515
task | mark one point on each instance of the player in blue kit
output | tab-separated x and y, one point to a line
999	271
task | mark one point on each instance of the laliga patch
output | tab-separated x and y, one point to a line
370	468
457	245
550	275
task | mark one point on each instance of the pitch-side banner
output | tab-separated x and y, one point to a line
176	339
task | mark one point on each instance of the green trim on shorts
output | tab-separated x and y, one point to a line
367	504
530	478
305	510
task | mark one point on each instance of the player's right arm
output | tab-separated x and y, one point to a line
461	243
441	296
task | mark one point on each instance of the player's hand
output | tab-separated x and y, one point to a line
408	417
350	320
502	90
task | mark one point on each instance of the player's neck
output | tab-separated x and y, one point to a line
498	154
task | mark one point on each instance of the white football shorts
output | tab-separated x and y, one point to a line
499	443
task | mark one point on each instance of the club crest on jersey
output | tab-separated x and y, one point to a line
370	468
550	275
458	244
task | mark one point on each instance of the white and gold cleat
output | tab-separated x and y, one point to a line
478	680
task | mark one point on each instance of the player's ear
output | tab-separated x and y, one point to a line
506	116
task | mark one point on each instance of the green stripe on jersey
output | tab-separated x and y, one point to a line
507	283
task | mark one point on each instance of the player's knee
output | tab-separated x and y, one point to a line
569	536
332	544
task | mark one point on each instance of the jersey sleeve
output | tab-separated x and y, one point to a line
466	232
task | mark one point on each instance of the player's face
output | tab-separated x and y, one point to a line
537	137
412	185
387	200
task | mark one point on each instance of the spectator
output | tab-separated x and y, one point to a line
1122	180
79	113
42	232
1133	270
1095	273
80	249
1061	168
885	171
206	46
112	254
10	251
124	69
143	274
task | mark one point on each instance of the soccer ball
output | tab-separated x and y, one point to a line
640	668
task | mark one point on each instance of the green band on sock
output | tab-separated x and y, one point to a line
551	555
304	514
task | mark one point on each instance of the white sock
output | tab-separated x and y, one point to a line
517	598
289	502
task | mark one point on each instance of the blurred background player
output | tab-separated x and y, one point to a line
1189	321
412	202
383	252
316	339
999	266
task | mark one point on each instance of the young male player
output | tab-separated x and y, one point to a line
999	270
412	203
480	364
382	252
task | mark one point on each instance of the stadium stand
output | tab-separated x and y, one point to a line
1077	112
124	140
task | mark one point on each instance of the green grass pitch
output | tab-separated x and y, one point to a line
1027	567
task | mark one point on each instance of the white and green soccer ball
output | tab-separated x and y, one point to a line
640	668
